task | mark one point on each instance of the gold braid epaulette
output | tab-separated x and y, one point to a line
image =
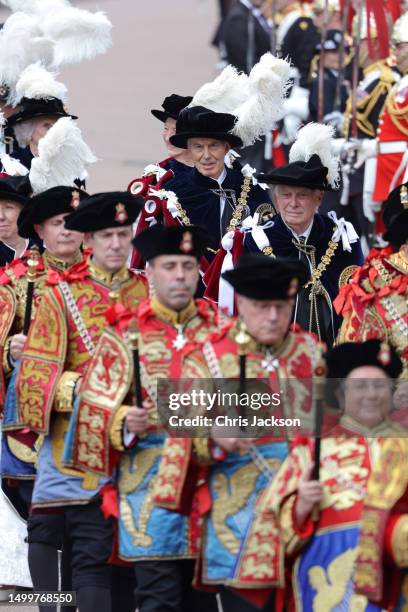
364	107
398	114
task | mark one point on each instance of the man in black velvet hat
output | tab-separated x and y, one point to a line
69	321
32	121
211	194
330	247
160	542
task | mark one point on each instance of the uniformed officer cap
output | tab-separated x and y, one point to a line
103	210
49	203
260	277
173	240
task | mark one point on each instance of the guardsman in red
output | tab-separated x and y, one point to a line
41	218
320	519
392	133
59	346
241	465
161	543
374	303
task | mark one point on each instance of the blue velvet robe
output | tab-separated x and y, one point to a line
281	240
196	195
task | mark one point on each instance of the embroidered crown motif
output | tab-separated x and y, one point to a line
186	245
384	354
75	201
121	214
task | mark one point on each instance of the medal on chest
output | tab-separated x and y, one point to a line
269	362
180	341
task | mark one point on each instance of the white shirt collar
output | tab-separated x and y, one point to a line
306	233
222	177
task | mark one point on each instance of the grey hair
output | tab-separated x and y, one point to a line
24	132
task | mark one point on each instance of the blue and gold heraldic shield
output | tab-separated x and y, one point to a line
235	485
146	531
19	461
323	574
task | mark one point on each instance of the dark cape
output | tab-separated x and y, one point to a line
200	198
283	244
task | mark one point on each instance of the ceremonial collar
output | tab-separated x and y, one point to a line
50	261
107	278
175	317
386	427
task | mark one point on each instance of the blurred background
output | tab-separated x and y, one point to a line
159	47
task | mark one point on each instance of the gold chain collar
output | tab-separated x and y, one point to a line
238	212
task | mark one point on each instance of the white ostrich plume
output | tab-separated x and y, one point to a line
62	156
225	93
38	83
33	6
256	100
77	34
316	139
269	82
21	43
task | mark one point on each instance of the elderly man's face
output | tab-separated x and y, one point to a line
41	127
267	321
367	395
60	242
174	278
208	155
169	129
297	205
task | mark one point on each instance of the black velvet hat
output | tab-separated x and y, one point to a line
346	357
200	122
103	210
172	240
15	188
311	174
49	203
30	108
172	106
266	278
395	216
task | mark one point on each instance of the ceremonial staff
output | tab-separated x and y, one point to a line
242	339
32	262
318	392
355	78
320	94
134	342
340	77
